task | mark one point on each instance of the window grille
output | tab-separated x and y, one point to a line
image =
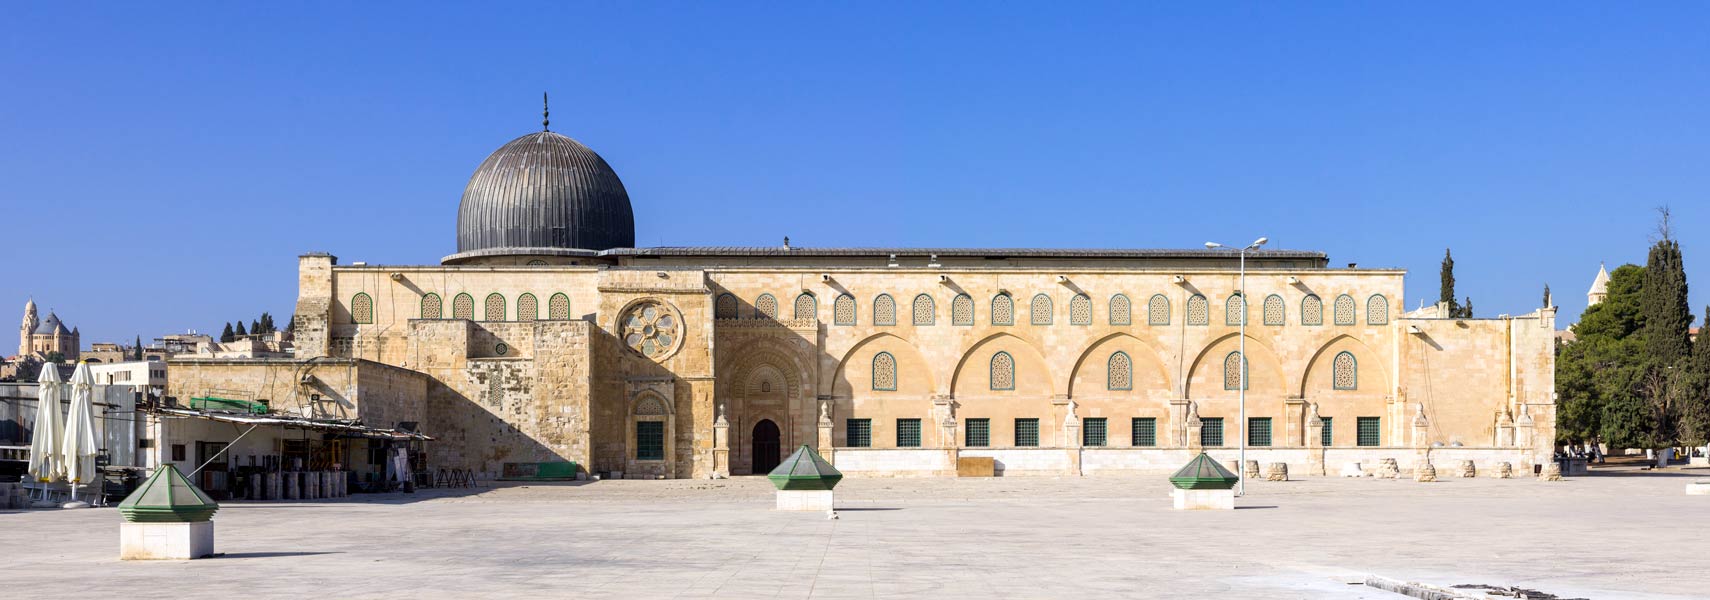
1234	372
858	433
495	307
432	306
766	306
650	440
528	309
1211	431
908	433
884	372
1368	431
1080	310
1158	310
1003	310
361	309
1026	433
1274	310
925	311
1040	309
1235	310
558	307
979	433
1312	310
844	310
1377	310
1093	431
1145	431
1345	372
884	310
962	310
1324	436
1003	371
807	307
1120	372
463	307
1198	310
1344	310
1259	431
725	307
1120	311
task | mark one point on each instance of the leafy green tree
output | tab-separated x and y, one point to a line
56	357
1600	370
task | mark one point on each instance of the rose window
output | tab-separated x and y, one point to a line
651	330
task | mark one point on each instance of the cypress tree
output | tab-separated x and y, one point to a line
1650	417
1695	397
1466	309
239	331
226	334
1446	289
1547	300
1667	316
139	355
255	327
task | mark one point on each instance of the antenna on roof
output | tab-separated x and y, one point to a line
545	113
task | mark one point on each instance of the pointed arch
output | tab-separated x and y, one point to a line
1147	374
1265	367
911	367
1320	368
432	306
1034	373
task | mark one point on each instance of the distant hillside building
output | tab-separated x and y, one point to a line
40	338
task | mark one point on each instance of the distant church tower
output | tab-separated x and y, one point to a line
28	329
1599	287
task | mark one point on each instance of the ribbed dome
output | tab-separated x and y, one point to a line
544	191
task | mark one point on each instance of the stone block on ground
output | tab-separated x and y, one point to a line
1425	472
1204	499
805	500
976	466
1552	472
166	541
1467	469
1388	469
1277	471
1504	470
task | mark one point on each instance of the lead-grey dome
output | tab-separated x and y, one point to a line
543	193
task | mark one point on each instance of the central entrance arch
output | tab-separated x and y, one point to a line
765	445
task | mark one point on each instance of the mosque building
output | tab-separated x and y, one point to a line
549	336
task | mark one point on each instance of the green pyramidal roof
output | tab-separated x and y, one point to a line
167	497
1203	473
805	470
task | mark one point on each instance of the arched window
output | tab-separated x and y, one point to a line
558	307
1312	310
1003	310
884	372
361	308
1234	372
1080	310
1158	310
843	310
725	307
1235	310
1345	372
1120	311
1274	310
537	263
528	309
495	307
962	310
1119	374
807	307
884	310
925	311
1198	310
1377	310
432	306
463	307
766	306
1040	309
1003	371
1344	310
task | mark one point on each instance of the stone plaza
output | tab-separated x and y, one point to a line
1617	533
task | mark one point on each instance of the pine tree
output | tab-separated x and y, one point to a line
291	327
255	327
1695	397
239	331
1466	309
139	355
226	334
1547	300
1446	290
1597	373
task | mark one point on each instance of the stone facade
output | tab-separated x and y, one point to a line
535	362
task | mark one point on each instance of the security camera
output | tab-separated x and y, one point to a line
1415	330
1293	280
1062	279
1179	279
825	278
943	279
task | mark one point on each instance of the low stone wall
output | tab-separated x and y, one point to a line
1012	462
868	462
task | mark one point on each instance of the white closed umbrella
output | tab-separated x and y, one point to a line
79	449
46	463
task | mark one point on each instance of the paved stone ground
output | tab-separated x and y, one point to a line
1615	534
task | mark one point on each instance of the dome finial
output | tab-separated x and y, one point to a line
545	113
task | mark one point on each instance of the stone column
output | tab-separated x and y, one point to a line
1294	418
721	446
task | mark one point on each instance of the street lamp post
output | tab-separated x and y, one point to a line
1241	465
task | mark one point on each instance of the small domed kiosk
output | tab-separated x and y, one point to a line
167	518
1204	485
804	481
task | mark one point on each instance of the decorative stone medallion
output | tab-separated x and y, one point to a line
652	329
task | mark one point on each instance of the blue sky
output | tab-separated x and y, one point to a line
163	167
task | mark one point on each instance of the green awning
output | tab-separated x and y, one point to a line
1203	473
805	470
231	404
167	497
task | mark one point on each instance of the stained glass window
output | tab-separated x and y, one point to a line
1198	310
1311	310
463	307
528	308
1120	310
558	307
1377	310
1235	310
1344	310
1003	371
1041	309
1003	310
1158	310
843	310
725	307
766	306
1234	372
1120	372
432	306
361	309
806	307
962	310
1080	310
925	310
1274	310
884	372
884	310
495	307
1345	372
